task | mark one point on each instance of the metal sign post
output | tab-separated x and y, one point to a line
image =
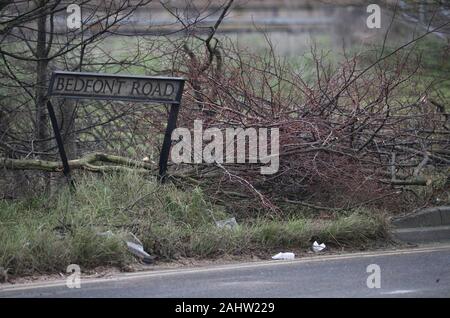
167	142
80	85
59	142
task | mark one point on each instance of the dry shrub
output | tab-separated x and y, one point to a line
350	134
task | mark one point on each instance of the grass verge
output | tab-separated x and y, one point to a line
44	235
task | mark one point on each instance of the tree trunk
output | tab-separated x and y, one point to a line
41	130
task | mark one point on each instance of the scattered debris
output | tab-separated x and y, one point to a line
284	256
316	247
228	223
148	160
138	250
134	245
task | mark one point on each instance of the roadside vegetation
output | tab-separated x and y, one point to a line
44	235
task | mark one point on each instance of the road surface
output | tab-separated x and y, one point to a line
418	272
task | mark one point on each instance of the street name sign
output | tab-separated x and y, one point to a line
165	90
150	89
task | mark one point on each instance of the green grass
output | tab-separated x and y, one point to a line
45	234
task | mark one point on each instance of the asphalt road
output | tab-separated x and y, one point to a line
419	272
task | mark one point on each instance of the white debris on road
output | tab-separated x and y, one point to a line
316	247
284	256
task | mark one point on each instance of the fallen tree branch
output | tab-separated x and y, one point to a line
88	163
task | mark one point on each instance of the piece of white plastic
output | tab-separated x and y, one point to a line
316	247
134	245
284	256
228	223
137	250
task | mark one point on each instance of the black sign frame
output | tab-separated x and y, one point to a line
171	121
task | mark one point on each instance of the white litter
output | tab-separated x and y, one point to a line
228	223
316	247
134	245
148	160
284	256
137	250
